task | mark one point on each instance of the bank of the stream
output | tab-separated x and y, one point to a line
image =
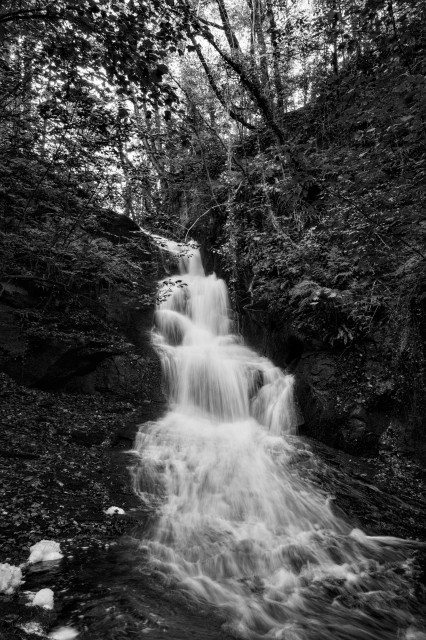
64	461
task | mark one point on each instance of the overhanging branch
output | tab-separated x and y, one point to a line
235	116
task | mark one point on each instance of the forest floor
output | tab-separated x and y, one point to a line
63	462
58	470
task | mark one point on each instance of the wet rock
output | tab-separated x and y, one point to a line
46	361
125	375
322	369
124	436
359	413
316	389
12	339
83	347
272	337
357	439
16	296
76	362
82	360
347	398
297	557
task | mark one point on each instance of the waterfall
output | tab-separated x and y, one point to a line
237	525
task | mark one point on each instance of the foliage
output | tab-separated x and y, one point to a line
127	40
67	73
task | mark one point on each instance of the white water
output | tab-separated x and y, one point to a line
237	526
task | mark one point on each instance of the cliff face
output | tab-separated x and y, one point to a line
350	398
104	349
92	340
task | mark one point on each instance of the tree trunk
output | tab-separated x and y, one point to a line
335	20
127	191
229	32
276	57
258	27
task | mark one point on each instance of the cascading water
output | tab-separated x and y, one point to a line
237	526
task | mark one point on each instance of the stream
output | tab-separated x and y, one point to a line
237	527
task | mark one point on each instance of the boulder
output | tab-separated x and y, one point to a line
356	438
347	397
